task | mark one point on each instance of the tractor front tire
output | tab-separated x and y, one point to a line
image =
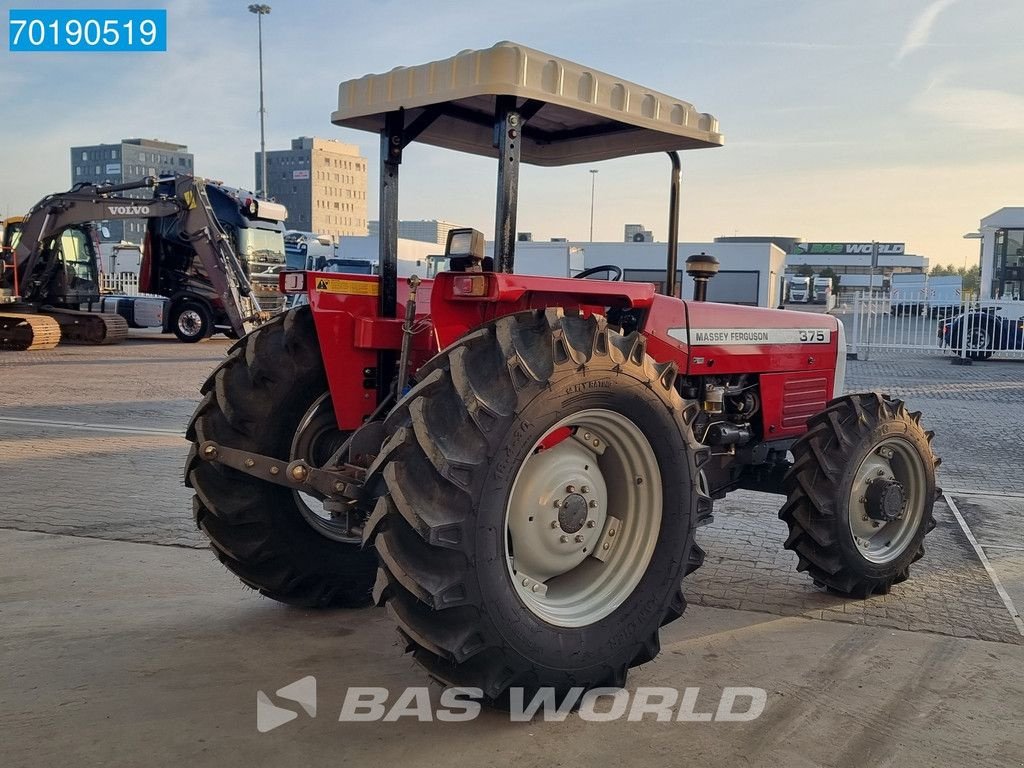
272	382
540	510
860	494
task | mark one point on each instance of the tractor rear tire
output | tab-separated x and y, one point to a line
504	458
860	494
254	401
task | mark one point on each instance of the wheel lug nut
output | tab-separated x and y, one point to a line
880	472
570	489
586	435
564	539
606	546
611	532
526	582
591	523
558	503
535	587
584	489
578	539
554	523
250	463
593	503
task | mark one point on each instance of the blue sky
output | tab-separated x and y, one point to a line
896	120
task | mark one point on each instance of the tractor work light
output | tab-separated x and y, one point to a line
466	242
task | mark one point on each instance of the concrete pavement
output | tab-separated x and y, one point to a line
118	653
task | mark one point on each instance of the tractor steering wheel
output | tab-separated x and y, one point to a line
611	269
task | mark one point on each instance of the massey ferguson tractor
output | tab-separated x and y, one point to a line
516	466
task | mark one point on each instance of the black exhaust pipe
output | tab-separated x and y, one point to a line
701	267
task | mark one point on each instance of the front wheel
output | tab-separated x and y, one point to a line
541	501
191	321
860	494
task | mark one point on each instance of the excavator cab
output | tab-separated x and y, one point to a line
69	268
75	278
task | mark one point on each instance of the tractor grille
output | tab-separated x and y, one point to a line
802	398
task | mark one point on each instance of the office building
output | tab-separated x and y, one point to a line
1002	254
123	162
321	182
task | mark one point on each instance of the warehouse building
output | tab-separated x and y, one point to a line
858	265
425	230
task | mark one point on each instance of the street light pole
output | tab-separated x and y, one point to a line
261	10
593	182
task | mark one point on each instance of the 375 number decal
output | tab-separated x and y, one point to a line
813	336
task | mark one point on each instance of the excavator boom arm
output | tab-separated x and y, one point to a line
199	226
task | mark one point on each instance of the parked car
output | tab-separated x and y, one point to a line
984	331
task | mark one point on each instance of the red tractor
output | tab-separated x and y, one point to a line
516	466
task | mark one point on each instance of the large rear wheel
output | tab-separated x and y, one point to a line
270	397
541	501
861	491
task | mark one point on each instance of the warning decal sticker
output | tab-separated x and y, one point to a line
347	287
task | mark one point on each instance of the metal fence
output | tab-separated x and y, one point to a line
120	284
972	329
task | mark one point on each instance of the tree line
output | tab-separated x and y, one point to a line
971	275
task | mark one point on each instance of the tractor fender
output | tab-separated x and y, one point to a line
352	336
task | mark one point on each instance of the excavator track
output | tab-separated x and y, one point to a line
23	332
77	327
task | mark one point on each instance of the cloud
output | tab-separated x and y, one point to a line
921	28
975	108
798	45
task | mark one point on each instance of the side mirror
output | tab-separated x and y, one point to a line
105	232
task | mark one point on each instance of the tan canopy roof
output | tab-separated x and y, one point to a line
587	115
